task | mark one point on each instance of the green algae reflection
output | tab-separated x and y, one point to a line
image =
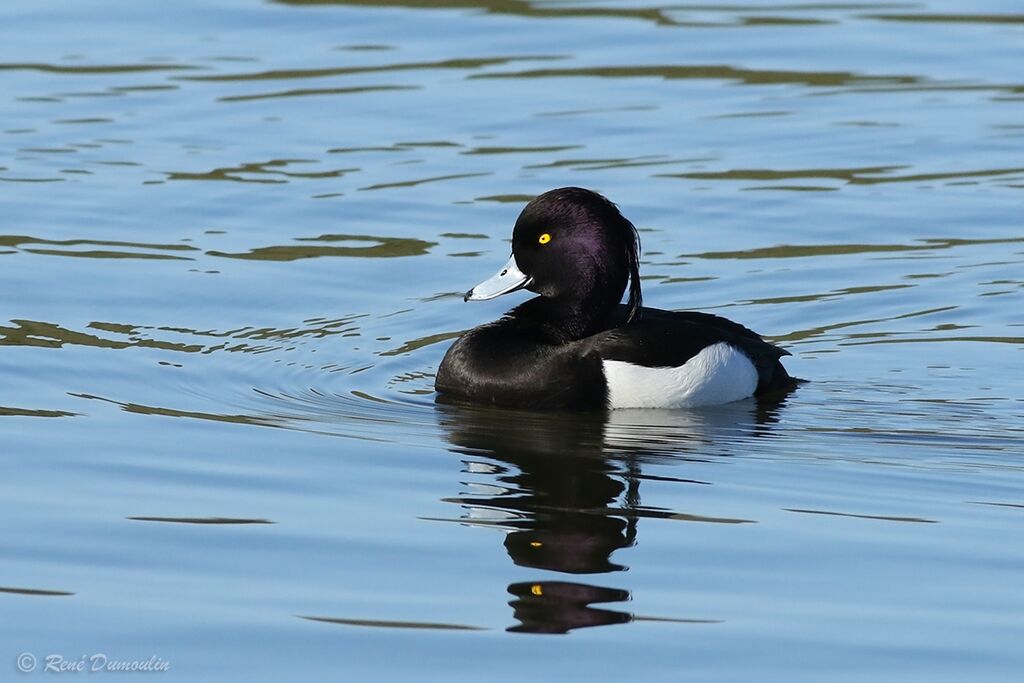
377	247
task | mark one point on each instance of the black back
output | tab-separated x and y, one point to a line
660	338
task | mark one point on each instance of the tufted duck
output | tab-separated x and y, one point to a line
577	347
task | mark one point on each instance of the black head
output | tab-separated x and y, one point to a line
575	245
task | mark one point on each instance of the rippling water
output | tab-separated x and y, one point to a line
232	243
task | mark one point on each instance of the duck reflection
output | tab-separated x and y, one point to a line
560	606
566	488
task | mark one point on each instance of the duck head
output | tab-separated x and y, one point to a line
574	248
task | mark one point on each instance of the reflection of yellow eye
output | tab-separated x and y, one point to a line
535	544
537	589
545	238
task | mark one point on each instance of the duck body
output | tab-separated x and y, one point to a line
575	347
662	359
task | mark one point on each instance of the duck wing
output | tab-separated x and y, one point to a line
668	339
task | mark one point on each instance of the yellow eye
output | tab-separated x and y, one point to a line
545	238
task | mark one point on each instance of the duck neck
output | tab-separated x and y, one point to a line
567	318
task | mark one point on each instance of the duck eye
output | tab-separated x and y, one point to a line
545	238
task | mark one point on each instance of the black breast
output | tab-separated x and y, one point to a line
505	364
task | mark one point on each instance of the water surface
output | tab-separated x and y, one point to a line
233	241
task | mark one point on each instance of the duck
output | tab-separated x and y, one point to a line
576	346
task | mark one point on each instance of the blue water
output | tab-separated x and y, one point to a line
233	241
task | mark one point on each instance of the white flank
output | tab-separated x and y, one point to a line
718	374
